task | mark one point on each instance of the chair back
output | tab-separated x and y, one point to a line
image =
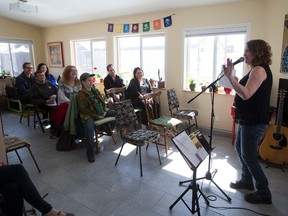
173	102
125	115
152	105
116	94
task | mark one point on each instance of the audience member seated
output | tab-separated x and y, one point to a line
10	88
44	68
112	80
24	83
137	88
16	186
68	87
92	107
43	94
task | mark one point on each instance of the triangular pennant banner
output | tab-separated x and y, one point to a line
146	26
167	21
157	24
135	28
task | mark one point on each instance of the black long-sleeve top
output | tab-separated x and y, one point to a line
134	89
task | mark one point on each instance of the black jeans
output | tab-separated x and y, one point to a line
25	189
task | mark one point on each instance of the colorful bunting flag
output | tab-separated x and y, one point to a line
110	27
157	24
167	21
135	28
118	28
126	28
146	26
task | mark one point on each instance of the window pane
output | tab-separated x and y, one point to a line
19	54
83	57
145	51
13	55
205	55
99	57
128	53
153	57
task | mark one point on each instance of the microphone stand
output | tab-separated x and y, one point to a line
208	174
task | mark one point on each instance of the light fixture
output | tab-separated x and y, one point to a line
21	6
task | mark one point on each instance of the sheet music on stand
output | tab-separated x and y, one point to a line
193	147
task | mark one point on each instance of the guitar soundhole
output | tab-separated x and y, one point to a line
281	138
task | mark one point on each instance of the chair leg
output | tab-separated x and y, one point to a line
39	119
158	152
119	153
195	118
165	141
18	156
140	160
112	134
36	164
97	141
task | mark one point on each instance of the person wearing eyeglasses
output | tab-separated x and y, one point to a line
24	83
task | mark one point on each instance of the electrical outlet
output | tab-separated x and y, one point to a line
217	118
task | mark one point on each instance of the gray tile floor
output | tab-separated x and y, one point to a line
102	189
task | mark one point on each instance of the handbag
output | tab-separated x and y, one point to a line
66	141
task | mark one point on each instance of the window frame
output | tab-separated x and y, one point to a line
163	72
103	71
206	31
10	41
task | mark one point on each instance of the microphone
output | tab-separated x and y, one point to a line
241	59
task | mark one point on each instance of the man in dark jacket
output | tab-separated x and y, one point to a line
24	83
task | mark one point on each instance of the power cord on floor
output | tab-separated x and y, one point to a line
213	198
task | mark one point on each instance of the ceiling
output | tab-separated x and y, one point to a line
62	12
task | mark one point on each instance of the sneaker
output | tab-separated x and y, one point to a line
257	198
240	185
91	158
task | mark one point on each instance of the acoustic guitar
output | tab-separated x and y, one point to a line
273	148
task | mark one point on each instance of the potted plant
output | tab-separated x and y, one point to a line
192	84
203	85
161	84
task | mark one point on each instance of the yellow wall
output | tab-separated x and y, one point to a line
17	30
266	18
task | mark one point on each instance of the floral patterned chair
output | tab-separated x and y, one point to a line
126	121
186	115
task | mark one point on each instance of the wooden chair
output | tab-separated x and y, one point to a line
156	121
116	94
31	110
13	143
126	121
182	114
119	94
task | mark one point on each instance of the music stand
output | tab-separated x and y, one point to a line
194	149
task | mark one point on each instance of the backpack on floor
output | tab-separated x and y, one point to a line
66	141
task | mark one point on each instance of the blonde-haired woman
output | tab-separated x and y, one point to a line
68	87
69	84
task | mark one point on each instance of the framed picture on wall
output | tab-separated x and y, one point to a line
55	54
284	59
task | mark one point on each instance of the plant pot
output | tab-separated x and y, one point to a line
192	86
161	84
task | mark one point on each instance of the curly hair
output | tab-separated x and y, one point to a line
66	73
261	51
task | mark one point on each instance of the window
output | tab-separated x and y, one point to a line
91	54
206	50
145	51
13	53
